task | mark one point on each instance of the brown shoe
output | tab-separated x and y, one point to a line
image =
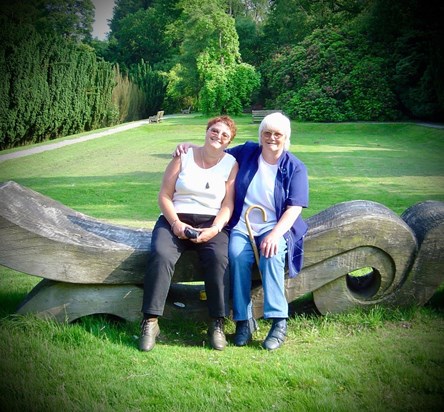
217	335
149	332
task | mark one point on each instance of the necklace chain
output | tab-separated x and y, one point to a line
207	186
203	162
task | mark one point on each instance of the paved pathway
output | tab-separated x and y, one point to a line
52	146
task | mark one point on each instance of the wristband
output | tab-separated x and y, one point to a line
172	224
217	227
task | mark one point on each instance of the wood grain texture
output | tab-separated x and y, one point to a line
90	266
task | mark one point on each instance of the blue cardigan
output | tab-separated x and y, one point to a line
291	189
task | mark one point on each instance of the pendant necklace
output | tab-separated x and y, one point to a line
207	186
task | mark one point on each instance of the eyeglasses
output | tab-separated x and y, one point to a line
216	132
268	134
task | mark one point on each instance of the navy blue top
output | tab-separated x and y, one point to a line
291	189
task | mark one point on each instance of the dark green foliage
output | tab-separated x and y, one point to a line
326	78
50	87
318	60
139	31
152	84
70	19
354	59
408	35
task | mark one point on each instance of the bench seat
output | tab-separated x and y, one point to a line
258	115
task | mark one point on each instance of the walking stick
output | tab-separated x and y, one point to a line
250	233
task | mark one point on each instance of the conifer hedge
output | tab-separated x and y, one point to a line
50	87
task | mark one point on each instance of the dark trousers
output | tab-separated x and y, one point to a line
166	249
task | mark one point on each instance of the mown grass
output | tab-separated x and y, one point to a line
382	360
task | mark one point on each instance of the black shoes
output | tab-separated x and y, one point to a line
244	331
276	336
217	335
149	332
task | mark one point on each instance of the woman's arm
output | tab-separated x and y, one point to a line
165	197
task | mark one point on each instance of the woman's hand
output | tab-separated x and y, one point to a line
179	229
206	234
269	245
182	148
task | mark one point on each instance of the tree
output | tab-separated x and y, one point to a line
290	21
70	19
124	8
408	35
327	78
152	84
50	86
226	88
209	55
249	39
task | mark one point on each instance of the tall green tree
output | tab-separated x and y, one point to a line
327	78
140	34
408	35
250	39
209	55
124	8
152	84
70	19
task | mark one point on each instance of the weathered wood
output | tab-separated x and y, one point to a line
427	222
350	236
66	302
157	118
258	115
99	268
44	238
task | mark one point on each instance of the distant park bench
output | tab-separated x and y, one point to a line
186	111
258	115
157	118
93	267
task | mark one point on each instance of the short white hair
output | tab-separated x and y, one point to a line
277	121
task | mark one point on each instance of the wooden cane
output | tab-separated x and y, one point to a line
250	233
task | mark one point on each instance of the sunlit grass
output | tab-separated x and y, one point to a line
378	360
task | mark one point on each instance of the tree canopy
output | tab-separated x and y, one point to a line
318	60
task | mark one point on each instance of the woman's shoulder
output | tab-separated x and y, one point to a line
289	159
229	160
246	147
186	158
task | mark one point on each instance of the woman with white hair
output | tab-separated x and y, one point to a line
270	177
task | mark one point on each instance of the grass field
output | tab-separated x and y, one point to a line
382	360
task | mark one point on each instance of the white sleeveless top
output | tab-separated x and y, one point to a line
201	191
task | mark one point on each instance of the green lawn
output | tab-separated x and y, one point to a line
384	360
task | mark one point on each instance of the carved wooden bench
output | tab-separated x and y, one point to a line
258	115
91	267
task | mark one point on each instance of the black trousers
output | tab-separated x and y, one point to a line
166	249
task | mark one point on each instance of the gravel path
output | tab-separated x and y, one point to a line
52	146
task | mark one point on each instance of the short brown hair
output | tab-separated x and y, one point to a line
226	120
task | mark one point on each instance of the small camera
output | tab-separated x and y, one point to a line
191	233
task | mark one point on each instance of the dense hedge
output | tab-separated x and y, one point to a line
50	87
